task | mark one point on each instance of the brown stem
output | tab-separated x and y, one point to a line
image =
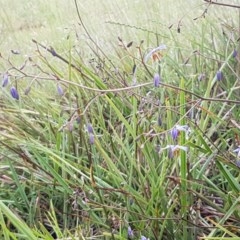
222	4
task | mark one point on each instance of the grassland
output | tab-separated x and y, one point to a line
103	136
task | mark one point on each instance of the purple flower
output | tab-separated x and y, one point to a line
235	53
174	133
173	148
154	51
238	163
91	138
60	90
90	133
89	128
237	150
219	75
156	80
144	238
5	80
130	232
14	93
178	128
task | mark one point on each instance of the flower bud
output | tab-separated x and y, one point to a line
219	75
174	133
91	138
5	80
60	90
90	128
156	80
14	93
235	53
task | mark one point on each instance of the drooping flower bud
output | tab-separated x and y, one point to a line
91	139
219	75
90	128
60	90
14	93
235	53
5	80
174	133
90	133
156	80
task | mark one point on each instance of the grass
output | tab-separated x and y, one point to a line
88	151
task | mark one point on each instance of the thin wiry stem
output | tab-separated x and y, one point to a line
222	4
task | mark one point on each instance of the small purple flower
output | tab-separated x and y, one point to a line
5	80
144	238
219	75
89	128
238	163
14	93
60	90
235	53
237	150
130	232
156	80
174	133
91	139
155	50
178	128
173	148
90	133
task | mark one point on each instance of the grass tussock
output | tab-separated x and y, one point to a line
137	138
